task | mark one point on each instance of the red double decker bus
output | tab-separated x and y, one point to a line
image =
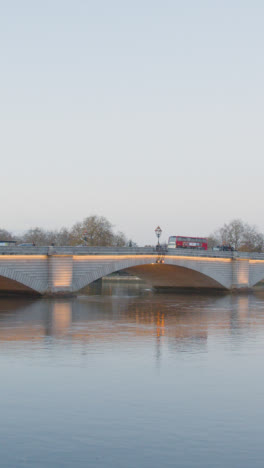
180	242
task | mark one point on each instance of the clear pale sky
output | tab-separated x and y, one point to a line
145	112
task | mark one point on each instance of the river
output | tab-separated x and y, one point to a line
127	378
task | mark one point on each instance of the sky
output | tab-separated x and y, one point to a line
146	112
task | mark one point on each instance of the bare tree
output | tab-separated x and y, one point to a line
240	235
37	236
5	235
119	239
213	241
95	230
63	237
253	241
233	233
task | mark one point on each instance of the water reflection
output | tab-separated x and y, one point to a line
61	318
183	321
125	378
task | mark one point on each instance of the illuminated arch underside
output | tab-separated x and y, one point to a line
9	286
173	276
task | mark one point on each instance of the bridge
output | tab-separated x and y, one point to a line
59	271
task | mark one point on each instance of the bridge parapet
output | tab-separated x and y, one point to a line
87	250
75	250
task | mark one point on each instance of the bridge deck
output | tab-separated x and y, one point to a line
71	250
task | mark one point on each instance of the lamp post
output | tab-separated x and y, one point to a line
158	232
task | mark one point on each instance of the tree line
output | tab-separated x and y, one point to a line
93	231
98	231
238	234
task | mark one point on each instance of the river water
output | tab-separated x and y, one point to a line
131	379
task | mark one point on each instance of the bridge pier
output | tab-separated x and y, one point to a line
60	274
240	274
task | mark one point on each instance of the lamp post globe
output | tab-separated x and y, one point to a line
158	232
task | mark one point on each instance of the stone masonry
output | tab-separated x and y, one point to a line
65	270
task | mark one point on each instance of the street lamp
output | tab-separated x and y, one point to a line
158	232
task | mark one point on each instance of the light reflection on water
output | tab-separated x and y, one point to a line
125	378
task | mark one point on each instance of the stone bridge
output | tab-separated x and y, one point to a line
66	270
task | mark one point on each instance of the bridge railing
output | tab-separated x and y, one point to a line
76	250
215	254
85	250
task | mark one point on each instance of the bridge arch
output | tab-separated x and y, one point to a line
256	272
15	281
86	271
174	276
217	271
174	272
